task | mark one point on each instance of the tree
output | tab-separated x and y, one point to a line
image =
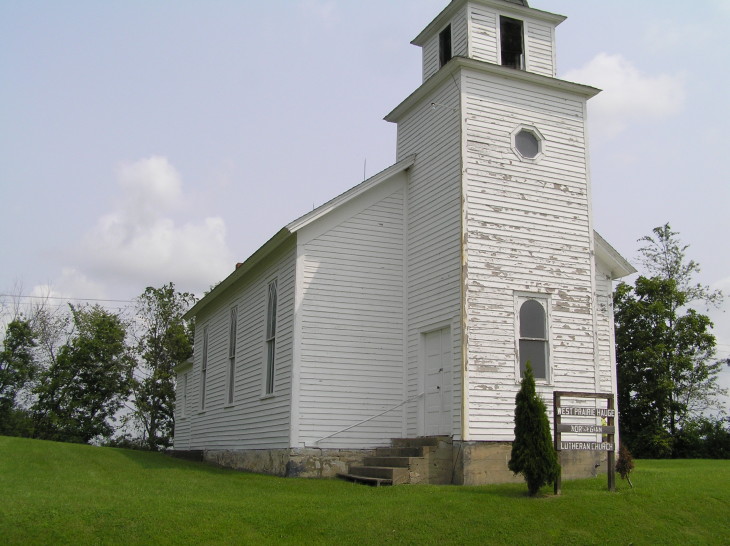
664	349
17	369
663	256
533	453
165	342
89	380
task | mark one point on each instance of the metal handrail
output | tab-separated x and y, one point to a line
414	397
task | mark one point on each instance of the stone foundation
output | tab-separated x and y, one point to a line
324	463
451	462
259	461
480	463
294	462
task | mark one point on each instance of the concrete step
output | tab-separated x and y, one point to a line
400	451
396	475
400	462
421	441
365	480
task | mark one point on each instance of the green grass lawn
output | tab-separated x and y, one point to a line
52	493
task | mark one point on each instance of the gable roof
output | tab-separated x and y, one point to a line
618	266
292	228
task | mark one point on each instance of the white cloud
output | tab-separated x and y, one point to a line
142	242
72	283
628	96
150	186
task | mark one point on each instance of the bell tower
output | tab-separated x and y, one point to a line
499	218
502	32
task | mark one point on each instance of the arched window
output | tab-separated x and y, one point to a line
533	341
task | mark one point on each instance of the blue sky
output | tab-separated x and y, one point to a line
149	141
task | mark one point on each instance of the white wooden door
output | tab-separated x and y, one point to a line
437	382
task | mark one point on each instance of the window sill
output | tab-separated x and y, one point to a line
229	406
538	382
267	396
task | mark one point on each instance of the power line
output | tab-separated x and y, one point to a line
63	298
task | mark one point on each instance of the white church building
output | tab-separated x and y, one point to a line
383	335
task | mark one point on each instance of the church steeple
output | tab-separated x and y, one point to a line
502	32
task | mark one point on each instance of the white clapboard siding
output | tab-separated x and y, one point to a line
351	356
475	34
605	337
484	34
538	38
460	33
528	231
253	421
540	48
459	43
434	236
182	410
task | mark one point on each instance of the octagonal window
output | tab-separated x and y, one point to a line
527	143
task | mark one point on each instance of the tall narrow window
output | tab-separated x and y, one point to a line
204	368
445	46
533	343
271	337
231	380
512	43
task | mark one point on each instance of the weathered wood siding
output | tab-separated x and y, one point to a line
528	231
539	38
604	333
352	315
253	421
459	43
433	236
484	36
540	48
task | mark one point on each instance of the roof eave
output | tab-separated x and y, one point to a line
257	257
352	193
618	265
457	63
184	366
292	228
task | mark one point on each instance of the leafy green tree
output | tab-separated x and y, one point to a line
704	438
664	349
82	390
165	342
533	453
18	368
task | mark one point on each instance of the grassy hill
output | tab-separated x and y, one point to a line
52	493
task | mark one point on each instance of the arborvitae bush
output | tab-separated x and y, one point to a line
533	453
625	464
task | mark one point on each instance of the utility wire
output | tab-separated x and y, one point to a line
62	298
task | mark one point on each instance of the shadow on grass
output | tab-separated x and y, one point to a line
511	491
158	460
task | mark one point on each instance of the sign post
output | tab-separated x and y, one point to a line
608	431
